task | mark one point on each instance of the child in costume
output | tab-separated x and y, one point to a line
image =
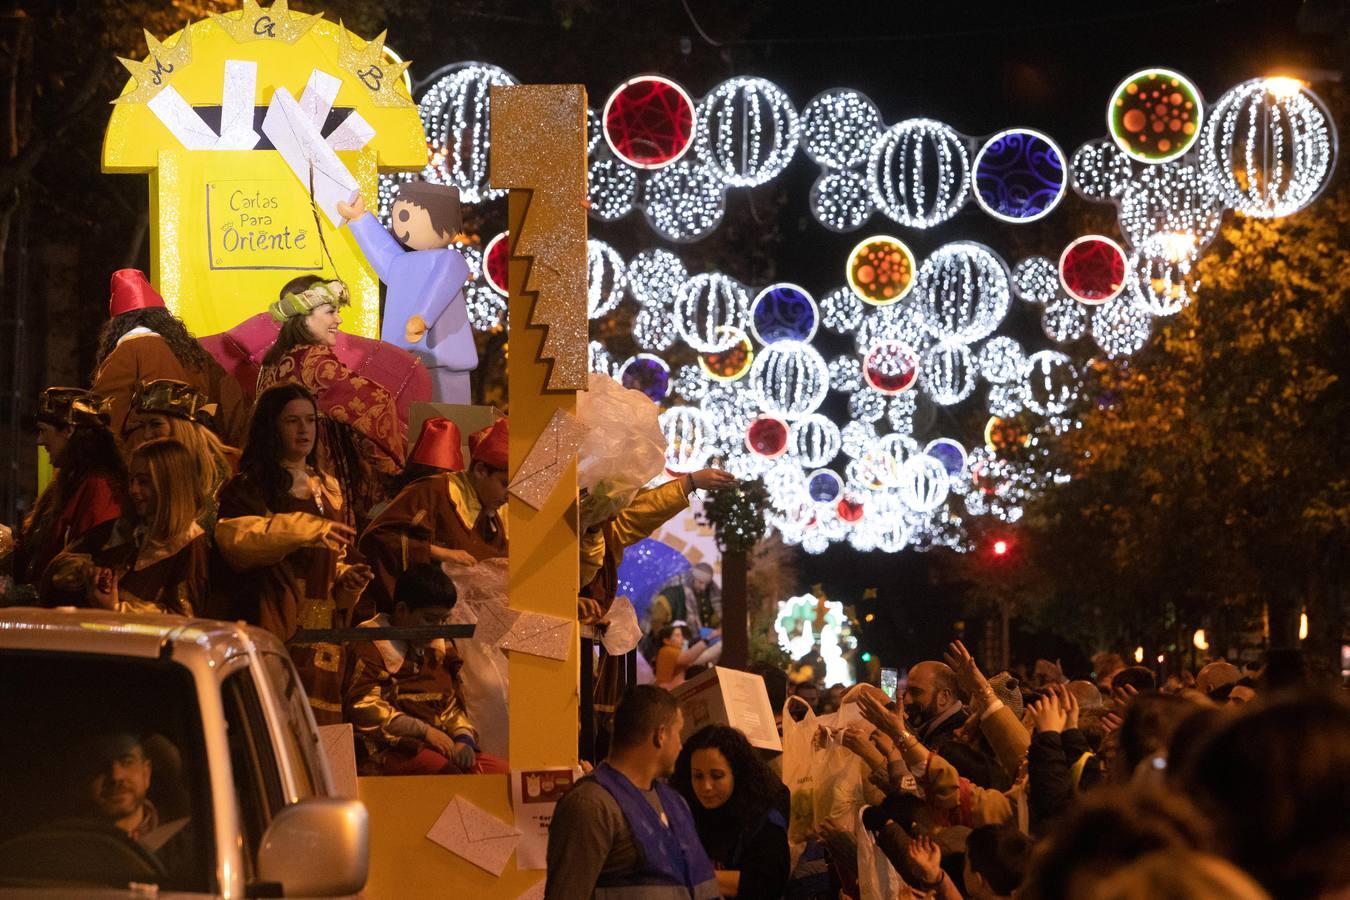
424	309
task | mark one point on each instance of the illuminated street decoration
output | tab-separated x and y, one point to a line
880	270
1019	175
648	122
783	312
919	172
1155	115
1092	269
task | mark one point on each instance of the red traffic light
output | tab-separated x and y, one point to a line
1000	548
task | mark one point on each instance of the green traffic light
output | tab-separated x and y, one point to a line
867	657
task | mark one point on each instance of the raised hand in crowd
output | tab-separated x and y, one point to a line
710	480
968	675
1069	702
347	590
453	557
1123	696
589	611
925	861
1048	713
1111	722
891	723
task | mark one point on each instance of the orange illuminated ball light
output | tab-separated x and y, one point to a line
880	270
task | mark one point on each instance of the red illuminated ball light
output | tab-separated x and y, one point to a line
1092	269
495	258
649	122
767	436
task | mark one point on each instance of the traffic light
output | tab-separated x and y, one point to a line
1000	548
866	657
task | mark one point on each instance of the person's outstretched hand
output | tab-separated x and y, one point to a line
968	675
926	858
888	722
1048	714
354	210
712	480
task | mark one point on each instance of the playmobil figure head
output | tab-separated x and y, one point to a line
425	216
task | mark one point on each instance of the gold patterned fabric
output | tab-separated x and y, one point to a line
346	397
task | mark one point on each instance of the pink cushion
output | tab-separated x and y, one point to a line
241	349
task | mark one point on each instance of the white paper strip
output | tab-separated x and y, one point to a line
353	134
236	112
317	98
295	137
182	120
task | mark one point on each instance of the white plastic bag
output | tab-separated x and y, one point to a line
484	681
825	778
877	878
624	449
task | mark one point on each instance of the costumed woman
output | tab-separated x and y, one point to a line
143	341
623	451
154	560
360	430
89	487
285	531
739	809
165	408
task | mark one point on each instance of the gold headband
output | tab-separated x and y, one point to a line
303	302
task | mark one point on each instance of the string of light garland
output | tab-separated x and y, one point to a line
924	331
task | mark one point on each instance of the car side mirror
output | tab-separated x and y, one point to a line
318	847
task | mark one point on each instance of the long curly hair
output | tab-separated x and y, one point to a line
261	459
90	450
755	788
161	322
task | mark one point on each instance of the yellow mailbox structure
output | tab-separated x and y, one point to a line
234	119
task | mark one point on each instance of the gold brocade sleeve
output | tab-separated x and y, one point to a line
370	713
454	720
649	511
249	542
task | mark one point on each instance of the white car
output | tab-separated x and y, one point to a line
162	756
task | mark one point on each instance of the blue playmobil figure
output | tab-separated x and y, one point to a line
424	310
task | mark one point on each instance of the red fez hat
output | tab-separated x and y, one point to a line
489	445
438	446
131	291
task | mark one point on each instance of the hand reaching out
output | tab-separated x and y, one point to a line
926	858
855	739
1048	714
354	210
881	717
1069	702
968	674
1123	696
712	479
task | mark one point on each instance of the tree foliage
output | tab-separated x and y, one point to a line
1209	477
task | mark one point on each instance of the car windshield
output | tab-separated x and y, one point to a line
105	774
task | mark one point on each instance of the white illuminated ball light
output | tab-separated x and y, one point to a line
962	292
612	189
1120	328
707	307
789	379
924	483
607	280
654	277
841	200
1268	147
455	115
746	131
903	161
1000	359
1036	279
841	310
839	127
947	374
1050	381
1160	276
1064	319
684	202
687	432
814	440
1100	170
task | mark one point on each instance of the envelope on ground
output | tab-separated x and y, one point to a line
475	834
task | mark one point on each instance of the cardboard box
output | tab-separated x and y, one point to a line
729	697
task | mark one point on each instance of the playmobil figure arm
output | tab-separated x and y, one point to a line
443	287
381	249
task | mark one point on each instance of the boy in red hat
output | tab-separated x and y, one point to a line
450	515
142	341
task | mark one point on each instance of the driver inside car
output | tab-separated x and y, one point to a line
115	774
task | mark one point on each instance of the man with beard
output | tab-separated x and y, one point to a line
935	713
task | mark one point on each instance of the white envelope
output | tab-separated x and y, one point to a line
292	132
476	835
623	631
539	635
494	623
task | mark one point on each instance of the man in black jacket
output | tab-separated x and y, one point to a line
934	710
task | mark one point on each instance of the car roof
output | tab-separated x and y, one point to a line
73	630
